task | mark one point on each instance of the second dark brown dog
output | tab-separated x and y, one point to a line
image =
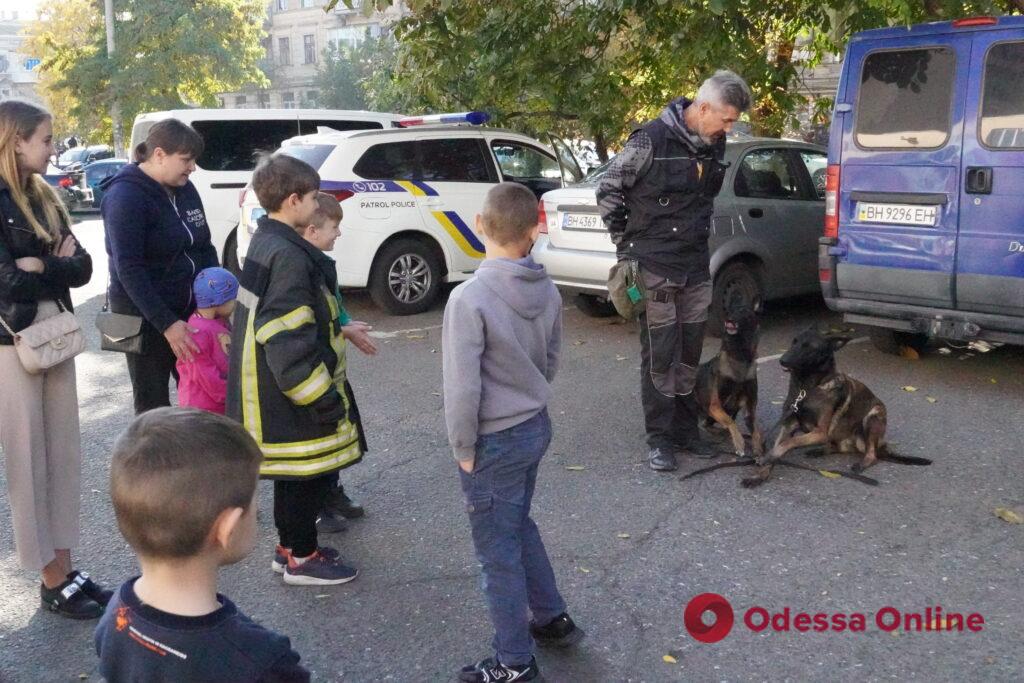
828	409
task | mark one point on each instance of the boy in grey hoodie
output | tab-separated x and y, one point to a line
501	338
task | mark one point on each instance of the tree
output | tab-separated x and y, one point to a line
591	68
169	54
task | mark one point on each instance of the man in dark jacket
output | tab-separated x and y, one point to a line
656	201
157	239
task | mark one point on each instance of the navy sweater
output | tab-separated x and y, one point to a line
156	244
140	644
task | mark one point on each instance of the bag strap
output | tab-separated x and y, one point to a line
8	328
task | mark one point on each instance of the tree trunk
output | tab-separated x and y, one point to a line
601	147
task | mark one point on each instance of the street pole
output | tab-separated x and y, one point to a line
115	108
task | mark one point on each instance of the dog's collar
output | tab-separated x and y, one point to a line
799	399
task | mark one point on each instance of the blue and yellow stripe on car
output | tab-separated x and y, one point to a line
452	223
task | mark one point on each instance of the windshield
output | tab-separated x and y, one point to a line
72	155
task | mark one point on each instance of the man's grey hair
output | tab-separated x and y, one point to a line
725	89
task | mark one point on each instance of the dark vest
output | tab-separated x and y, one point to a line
670	206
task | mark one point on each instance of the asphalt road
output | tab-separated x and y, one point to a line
630	547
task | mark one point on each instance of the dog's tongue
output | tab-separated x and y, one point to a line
730	327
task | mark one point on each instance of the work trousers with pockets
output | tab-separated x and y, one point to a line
671	337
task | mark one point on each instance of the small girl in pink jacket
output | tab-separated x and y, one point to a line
202	381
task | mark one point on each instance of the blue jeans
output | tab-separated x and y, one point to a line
517	576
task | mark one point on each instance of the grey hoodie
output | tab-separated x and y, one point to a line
501	338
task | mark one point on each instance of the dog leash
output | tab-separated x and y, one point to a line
748	462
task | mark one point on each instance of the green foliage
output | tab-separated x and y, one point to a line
363	77
167	54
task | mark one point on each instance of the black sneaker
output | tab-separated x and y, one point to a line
662	461
69	600
491	670
92	590
559	632
330	523
339	503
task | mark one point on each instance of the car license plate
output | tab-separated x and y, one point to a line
582	221
899	214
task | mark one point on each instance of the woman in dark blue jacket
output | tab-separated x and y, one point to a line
157	239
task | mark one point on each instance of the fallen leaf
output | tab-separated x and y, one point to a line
579	342
993	380
669	659
909	353
909	388
622	535
415	336
584	570
436	393
931	399
776	403
894	633
575	468
945	351
620	358
322	596
1008	515
830	475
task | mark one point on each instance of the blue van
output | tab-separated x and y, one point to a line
924	207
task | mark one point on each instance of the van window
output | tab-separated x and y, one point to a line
314	155
766	174
454	160
234	145
388	161
905	99
309	126
1002	102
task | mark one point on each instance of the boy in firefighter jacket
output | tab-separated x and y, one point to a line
287	382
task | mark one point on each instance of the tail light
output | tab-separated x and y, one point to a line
66	182
825	275
832	201
341	195
542	218
975	21
241	197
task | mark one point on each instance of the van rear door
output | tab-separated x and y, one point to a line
990	251
900	168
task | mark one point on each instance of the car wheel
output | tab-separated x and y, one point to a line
230	260
739	277
891	341
595	306
406	278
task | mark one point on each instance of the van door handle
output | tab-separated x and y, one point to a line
756	213
979	180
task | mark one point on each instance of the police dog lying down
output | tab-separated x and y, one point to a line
827	410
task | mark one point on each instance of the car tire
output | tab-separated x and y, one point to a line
230	260
737	275
595	306
892	341
406	277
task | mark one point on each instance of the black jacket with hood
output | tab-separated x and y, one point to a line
156	242
21	291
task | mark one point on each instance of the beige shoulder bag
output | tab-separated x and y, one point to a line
48	342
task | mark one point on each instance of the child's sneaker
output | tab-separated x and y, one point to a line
491	670
281	556
559	632
318	570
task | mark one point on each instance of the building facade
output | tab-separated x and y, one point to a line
298	33
18	72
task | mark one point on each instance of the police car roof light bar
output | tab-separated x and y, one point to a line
475	118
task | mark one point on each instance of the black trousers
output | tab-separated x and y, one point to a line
671	338
151	372
297	502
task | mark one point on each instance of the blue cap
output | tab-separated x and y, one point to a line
214	286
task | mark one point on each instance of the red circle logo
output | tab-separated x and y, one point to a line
717	605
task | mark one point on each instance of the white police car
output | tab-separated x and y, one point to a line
410	196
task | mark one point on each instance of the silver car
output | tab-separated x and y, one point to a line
764	231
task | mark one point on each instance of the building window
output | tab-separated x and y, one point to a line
240	101
282	5
312	97
284	51
263	100
309	49
288	100
308	3
348	37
